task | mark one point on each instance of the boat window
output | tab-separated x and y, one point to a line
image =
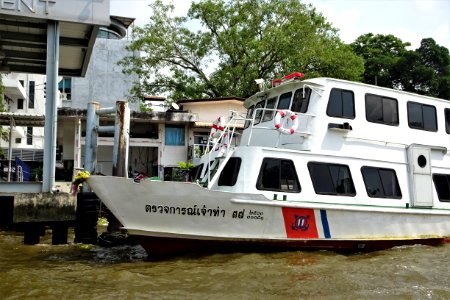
249	116
331	179
381	183
230	172
341	104
278	175
285	101
259	111
447	120
422	116
268	114
381	109
301	100
442	185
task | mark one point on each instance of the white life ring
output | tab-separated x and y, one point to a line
281	114
218	127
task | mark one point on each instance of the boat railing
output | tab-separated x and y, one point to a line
302	130
219	148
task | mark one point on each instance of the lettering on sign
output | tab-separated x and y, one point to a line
27	5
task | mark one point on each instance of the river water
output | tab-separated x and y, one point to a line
77	271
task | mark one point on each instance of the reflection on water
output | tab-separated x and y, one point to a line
78	271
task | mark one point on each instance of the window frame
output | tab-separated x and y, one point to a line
352	117
447	120
447	177
282	96
181	128
422	106
296	186
381	182
230	179
315	183
304	100
383	116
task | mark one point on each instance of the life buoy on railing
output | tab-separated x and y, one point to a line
280	115
218	127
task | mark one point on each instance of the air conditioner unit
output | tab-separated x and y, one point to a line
63	96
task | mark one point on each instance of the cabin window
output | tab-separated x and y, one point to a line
331	179
301	100
442	185
174	135
447	120
381	109
341	104
230	172
285	101
270	105
278	175
249	116
381	183
259	111
422	116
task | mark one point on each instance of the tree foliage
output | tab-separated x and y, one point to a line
235	43
388	63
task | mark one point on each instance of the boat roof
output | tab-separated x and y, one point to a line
321	83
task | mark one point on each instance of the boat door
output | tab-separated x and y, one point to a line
420	180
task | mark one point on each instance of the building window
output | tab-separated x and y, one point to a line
285	101
331	179
22	82
65	88
381	110
268	114
442	185
19	103
341	104
31	90
422	116
29	135
301	100
381	183
18	140
447	120
230	172
278	175
175	135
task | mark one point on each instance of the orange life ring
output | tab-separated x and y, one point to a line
218	127
278	121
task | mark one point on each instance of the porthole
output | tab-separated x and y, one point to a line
421	161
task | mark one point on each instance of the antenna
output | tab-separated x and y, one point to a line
174	106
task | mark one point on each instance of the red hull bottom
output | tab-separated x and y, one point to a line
160	246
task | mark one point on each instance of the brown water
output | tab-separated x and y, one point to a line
78	271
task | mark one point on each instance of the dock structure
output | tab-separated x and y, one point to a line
60	37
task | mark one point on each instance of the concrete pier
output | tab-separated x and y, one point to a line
33	212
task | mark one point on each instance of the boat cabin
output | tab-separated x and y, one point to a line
338	142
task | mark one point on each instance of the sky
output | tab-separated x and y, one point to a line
409	20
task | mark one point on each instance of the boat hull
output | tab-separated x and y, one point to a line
173	217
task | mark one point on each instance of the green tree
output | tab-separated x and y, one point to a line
381	54
388	63
235	43
425	71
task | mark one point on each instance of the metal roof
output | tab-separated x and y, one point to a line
22	119
23	44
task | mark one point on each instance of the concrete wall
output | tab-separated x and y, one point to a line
104	81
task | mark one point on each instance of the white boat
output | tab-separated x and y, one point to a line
321	164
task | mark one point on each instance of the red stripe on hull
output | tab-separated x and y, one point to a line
160	246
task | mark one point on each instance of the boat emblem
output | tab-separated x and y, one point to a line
301	223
